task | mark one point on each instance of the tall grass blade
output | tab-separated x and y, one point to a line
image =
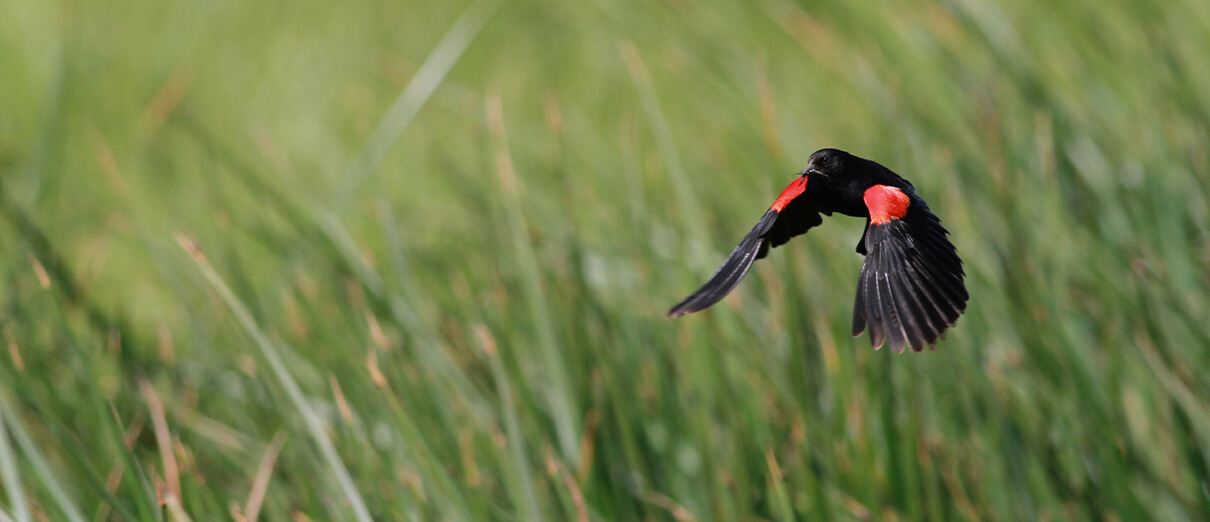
11	475
691	210
413	97
559	392
521	483
43	470
314	425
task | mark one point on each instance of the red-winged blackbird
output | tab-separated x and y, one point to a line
911	286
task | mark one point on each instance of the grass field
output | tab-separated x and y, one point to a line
409	260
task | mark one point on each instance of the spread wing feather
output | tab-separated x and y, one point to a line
775	228
911	285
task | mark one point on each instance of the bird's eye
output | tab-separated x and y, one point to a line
825	160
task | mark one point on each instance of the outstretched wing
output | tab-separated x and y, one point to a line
911	286
789	216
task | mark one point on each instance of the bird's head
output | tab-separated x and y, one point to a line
828	163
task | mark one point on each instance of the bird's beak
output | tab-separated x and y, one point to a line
810	171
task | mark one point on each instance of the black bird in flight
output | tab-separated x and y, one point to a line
911	286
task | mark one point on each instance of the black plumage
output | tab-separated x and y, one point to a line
911	288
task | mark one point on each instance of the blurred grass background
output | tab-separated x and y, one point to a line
428	246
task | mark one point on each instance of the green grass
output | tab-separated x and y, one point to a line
428	249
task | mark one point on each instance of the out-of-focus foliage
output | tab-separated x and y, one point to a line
429	246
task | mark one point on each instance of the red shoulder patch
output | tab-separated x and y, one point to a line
795	189
885	203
